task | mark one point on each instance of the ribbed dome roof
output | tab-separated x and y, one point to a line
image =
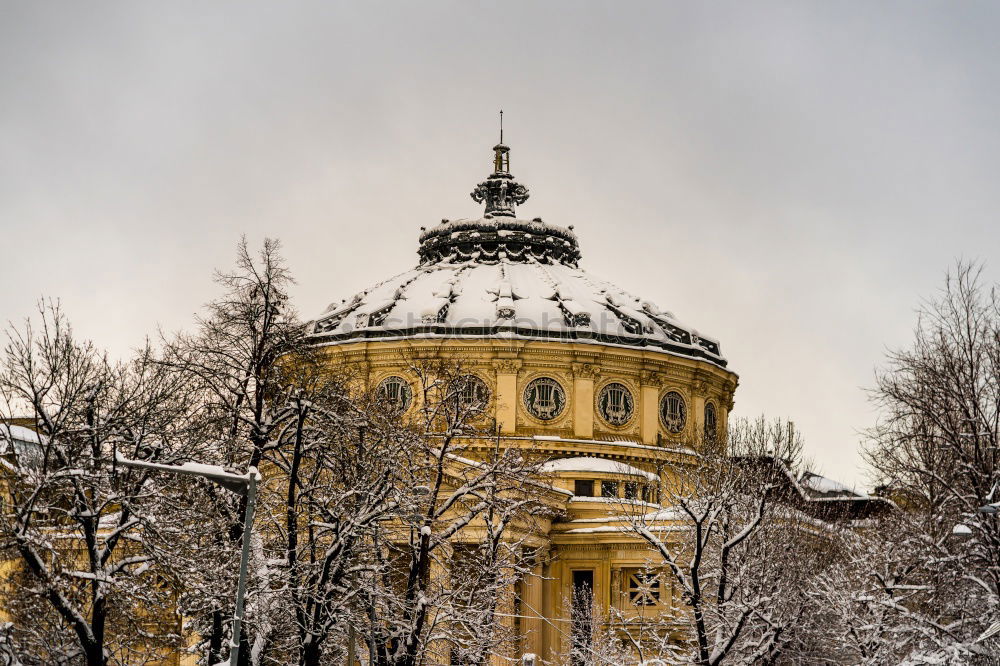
499	276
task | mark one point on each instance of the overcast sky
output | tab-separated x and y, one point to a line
791	178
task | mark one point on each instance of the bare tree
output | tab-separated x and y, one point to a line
935	450
235	360
87	586
337	473
358	503
465	489
740	557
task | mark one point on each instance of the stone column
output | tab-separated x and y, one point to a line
649	409
505	612
616	588
531	607
554	587
440	576
584	375
507	393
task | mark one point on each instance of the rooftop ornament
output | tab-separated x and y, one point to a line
500	192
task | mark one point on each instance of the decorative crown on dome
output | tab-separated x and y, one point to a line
500	191
499	235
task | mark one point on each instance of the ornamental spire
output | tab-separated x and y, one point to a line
500	191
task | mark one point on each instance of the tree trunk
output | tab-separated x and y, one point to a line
215	639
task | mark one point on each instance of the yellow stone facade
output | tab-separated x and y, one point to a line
504	299
577	541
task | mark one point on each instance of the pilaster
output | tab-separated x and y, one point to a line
584	375
531	607
699	395
649	387
506	398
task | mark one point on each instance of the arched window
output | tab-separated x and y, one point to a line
471	393
711	424
396	392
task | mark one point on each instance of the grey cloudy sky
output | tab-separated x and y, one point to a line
789	177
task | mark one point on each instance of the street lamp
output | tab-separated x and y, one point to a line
242	484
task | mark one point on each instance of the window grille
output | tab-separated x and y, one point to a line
643	589
673	412
396	392
616	404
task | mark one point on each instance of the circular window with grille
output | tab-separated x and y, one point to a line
469	393
396	392
615	404
673	412
544	398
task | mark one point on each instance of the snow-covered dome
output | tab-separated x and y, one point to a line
499	276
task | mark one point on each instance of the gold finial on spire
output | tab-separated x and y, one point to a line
501	159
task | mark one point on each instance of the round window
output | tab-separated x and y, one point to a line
711	424
544	398
616	404
673	412
470	393
396	392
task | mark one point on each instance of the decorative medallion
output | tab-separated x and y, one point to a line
673	412
396	392
470	393
544	398
616	404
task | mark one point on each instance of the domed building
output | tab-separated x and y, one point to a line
608	387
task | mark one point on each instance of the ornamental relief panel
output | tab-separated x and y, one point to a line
652	378
586	370
507	366
544	399
616	405
673	412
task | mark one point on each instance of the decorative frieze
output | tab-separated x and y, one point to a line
651	378
507	366
586	370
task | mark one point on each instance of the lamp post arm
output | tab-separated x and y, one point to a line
242	484
237	483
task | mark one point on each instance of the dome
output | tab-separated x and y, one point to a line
503	277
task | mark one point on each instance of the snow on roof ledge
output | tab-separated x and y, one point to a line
594	466
826	486
19	433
